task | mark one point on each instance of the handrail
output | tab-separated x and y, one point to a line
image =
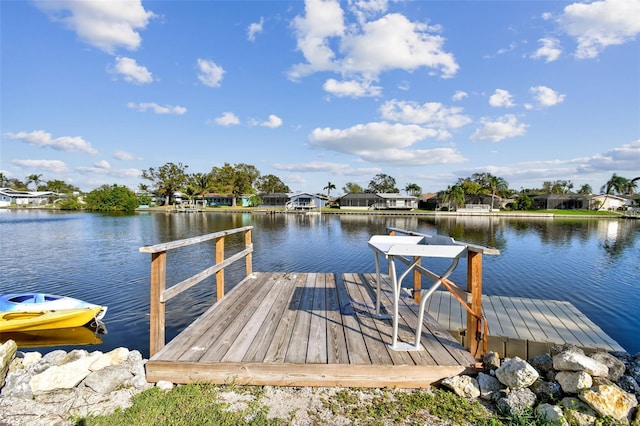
160	294
472	300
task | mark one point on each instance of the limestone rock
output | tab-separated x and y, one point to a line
464	386
72	370
107	379
575	361
543	363
574	381
7	354
517	373
491	361
164	385
115	357
517	402
552	414
615	366
549	392
577	412
609	400
489	386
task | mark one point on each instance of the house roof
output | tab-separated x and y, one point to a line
395	196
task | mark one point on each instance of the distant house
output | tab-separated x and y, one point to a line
428	201
306	201
378	201
10	196
274	199
561	202
610	202
218	200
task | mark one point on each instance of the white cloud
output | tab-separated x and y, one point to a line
545	96
361	51
158	109
501	98
459	95
495	131
549	51
626	157
63	143
382	142
432	114
364	9
107	25
104	168
131	71
255	28
124	155
210	73
273	122
227	119
351	88
53	166
600	24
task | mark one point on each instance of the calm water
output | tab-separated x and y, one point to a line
595	264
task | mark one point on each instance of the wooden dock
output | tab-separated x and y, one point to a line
524	327
318	329
307	329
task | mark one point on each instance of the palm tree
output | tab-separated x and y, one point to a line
35	179
614	185
329	187
454	195
496	185
413	189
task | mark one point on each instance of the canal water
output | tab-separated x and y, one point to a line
592	263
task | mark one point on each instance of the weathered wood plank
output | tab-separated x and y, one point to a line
225	335
363	305
286	374
189	241
336	343
317	349
278	347
600	337
190	339
356	347
249	332
297	352
258	349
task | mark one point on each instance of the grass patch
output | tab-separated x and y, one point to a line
207	404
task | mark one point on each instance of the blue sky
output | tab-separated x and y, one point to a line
94	92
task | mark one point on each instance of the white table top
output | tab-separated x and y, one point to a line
401	245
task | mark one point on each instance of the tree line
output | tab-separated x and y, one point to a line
240	179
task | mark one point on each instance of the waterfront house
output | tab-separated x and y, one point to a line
610	202
218	200
274	199
561	202
306	201
10	196
378	201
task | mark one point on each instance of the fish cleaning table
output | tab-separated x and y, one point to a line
391	246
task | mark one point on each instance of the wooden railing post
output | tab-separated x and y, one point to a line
249	258
220	273
157	309
474	286
417	282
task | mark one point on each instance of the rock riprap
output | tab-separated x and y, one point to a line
54	388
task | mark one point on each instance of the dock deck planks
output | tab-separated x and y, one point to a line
526	327
306	329
318	329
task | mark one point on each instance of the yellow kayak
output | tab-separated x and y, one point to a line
44	320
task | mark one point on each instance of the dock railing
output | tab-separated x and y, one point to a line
471	298
160	294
